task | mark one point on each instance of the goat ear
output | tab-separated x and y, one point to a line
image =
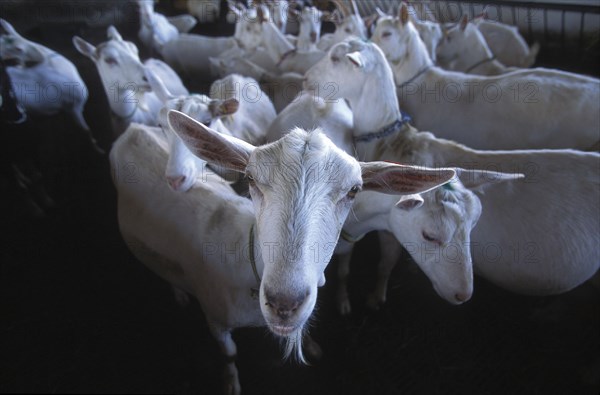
356	59
210	145
403	14
474	179
395	179
410	202
113	34
221	108
380	13
464	21
8	28
84	47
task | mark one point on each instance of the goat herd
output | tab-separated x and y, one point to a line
390	124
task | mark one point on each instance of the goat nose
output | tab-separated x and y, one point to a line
144	78
313	37
462	296
285	305
176	182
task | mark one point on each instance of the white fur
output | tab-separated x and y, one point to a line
175	236
124	80
507	44
350	25
310	28
464	49
156	29
431	34
44	81
285	56
543	250
188	239
182	52
302	187
526	109
308	112
255	112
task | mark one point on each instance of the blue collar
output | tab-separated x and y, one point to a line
419	73
385	131
480	63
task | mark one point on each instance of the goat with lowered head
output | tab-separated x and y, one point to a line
520	110
44	81
184	170
464	49
529	247
236	107
302	187
506	43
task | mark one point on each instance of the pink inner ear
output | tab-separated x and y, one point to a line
208	144
354	61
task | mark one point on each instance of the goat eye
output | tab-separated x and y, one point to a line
348	30
386	34
429	238
250	179
110	61
335	58
353	191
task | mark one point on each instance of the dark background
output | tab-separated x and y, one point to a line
78	313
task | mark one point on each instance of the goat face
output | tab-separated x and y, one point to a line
393	36
302	187
118	63
435	230
298	227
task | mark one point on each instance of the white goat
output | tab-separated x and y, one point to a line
348	25
280	9
374	211
507	45
302	187
255	112
439	220
308	112
124	80
190	54
44	81
204	225
156	29
309	33
464	49
285	57
431	34
529	247
183	169
524	109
